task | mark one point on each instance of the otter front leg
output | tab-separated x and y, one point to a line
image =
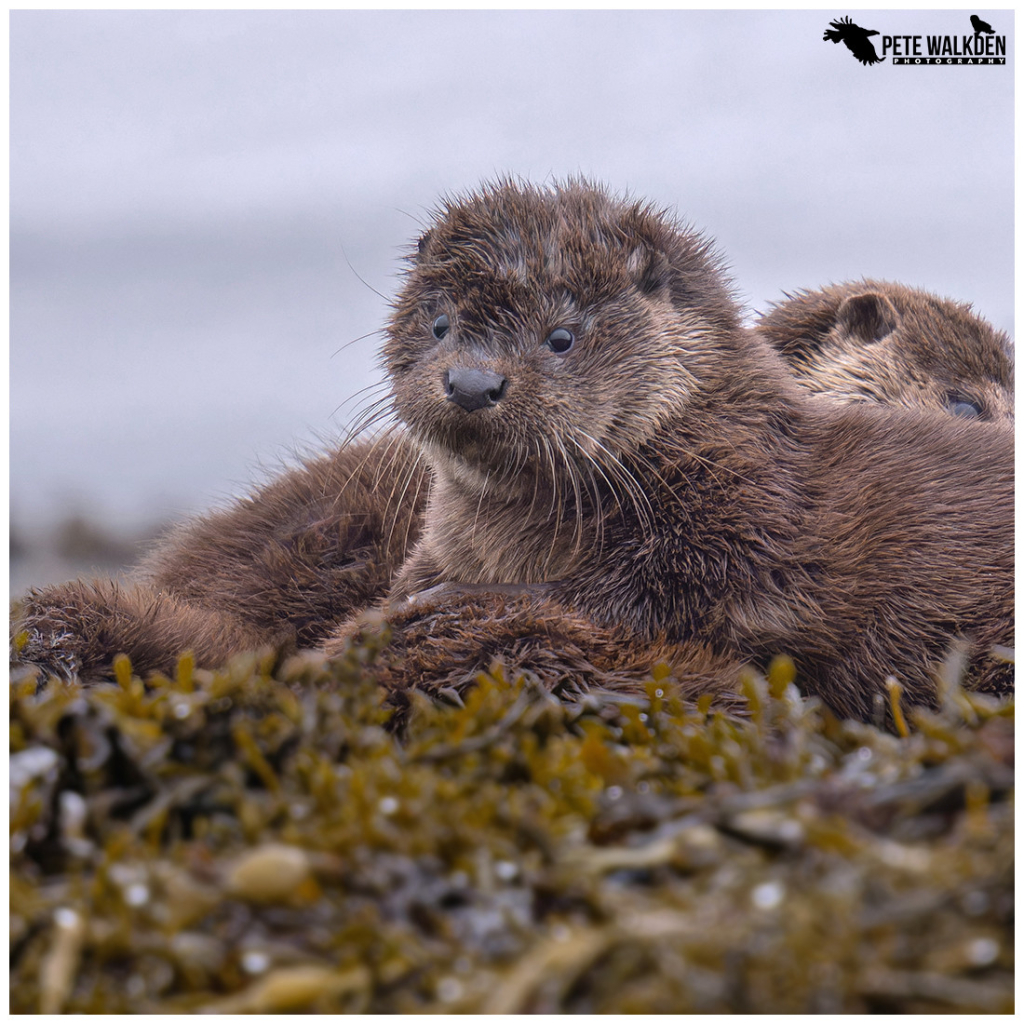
425	578
441	645
420	573
444	637
74	630
456	591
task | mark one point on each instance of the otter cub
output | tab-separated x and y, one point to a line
878	341
600	427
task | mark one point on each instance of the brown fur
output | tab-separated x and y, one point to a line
74	630
883	342
324	540
442	643
666	474
282	567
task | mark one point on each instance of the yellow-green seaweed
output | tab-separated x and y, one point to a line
255	839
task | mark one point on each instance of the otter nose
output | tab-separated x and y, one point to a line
473	389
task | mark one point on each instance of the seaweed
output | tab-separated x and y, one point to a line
257	839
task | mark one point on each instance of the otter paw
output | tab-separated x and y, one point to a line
72	630
49	641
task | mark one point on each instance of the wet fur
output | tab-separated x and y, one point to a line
440	645
877	341
282	567
325	540
668	475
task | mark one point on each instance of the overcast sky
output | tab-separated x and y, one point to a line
208	209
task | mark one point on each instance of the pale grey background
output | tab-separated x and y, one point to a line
204	206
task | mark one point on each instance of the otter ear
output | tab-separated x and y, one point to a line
651	271
869	317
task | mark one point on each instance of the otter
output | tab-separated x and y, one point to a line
551	510
600	428
884	342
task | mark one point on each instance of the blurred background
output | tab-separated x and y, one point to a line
208	209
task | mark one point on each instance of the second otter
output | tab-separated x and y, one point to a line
883	342
599	425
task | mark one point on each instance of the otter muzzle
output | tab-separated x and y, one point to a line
474	389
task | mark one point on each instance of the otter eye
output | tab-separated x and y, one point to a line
440	327
960	406
560	340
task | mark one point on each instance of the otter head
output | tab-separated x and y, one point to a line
545	328
878	341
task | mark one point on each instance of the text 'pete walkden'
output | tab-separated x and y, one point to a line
976	49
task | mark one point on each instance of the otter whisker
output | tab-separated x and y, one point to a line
629	485
374	412
479	504
422	481
377	385
556	508
597	511
355	341
573	475
711	465
413	471
371	457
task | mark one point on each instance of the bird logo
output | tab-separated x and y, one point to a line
981	26
855	38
